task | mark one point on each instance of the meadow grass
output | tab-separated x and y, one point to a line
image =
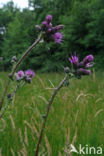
76	116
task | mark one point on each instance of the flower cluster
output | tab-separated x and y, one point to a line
81	68
49	32
27	75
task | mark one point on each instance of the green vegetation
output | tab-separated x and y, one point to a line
83	33
76	116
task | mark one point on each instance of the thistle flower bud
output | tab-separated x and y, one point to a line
29	73
28	79
82	71
74	60
9	96
44	116
49	18
89	65
50	25
57	37
66	69
12	61
44	24
19	75
58	27
81	64
88	59
49	30
38	28
10	76
14	58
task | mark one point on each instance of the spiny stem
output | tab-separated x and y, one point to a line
47	112
26	53
16	66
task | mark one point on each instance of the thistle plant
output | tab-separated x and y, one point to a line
18	81
77	70
47	33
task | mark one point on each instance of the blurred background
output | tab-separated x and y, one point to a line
83	33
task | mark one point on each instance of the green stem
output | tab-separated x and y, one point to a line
16	66
47	112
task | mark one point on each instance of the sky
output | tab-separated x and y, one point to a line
19	3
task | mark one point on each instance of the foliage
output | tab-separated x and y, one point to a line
83	33
76	114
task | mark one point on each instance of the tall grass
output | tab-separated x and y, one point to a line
77	116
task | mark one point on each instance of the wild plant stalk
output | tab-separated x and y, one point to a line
6	107
16	66
47	113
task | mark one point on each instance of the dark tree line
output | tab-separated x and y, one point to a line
83	33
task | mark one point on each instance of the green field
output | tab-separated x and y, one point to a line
76	116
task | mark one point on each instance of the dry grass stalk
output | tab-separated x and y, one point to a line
44	99
3	125
94	76
48	146
24	151
28	124
41	81
79	96
68	137
76	116
67	149
65	96
26	137
99	99
20	136
97	113
60	154
12	122
35	121
13	153
75	137
18	153
35	130
0	152
33	137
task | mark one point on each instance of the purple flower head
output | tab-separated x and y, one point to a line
82	71
81	68
19	75
44	24
49	18
50	32
74	59
88	59
57	37
29	73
